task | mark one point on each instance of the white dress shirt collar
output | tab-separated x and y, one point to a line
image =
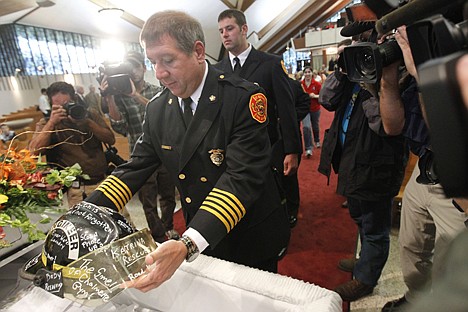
197	93
242	57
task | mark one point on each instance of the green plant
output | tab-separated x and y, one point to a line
28	185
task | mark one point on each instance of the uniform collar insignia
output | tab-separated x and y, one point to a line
212	98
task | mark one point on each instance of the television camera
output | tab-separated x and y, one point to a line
438	36
118	78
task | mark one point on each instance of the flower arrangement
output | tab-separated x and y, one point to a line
29	185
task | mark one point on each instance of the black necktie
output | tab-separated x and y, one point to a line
237	66
187	111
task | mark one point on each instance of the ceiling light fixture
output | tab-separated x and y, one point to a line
111	12
45	3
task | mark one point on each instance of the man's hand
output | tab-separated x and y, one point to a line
290	164
58	114
164	261
402	39
134	90
104	84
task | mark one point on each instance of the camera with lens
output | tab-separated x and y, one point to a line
118	78
437	33
437	44
113	158
364	61
76	110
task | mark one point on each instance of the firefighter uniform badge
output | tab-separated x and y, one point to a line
258	107
216	156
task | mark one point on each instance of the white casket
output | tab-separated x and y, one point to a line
207	284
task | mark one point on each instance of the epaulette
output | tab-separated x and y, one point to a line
157	95
238	82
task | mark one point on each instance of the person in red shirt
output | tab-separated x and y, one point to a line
311	87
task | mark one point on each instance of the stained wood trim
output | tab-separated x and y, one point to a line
313	13
228	4
13	6
277	19
241	5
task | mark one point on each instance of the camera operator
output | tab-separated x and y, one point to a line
370	168
73	135
126	114
429	220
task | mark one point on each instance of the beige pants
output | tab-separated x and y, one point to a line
429	222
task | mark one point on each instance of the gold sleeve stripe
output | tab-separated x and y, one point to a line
116	190
230	197
112	191
219	206
111	196
223	203
233	197
224	206
120	188
122	185
235	211
220	217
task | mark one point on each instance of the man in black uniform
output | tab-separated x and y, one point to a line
219	157
267	70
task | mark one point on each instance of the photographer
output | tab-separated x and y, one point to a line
429	220
126	114
73	135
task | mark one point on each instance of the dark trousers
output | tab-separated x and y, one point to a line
373	219
288	185
159	183
291	191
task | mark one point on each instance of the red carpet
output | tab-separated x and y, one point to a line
324	233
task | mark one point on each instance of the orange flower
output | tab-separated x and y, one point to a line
23	161
52	195
5	170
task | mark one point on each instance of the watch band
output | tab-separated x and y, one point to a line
192	249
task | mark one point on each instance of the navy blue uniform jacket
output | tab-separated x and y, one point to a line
266	70
220	165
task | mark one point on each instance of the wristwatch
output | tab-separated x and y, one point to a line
192	249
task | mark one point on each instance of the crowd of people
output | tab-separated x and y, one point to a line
228	138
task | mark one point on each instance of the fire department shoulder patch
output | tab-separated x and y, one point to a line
258	107
284	67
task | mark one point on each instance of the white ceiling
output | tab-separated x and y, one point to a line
81	16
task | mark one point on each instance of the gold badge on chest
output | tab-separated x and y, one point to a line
216	156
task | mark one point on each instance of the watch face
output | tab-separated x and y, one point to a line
192	256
